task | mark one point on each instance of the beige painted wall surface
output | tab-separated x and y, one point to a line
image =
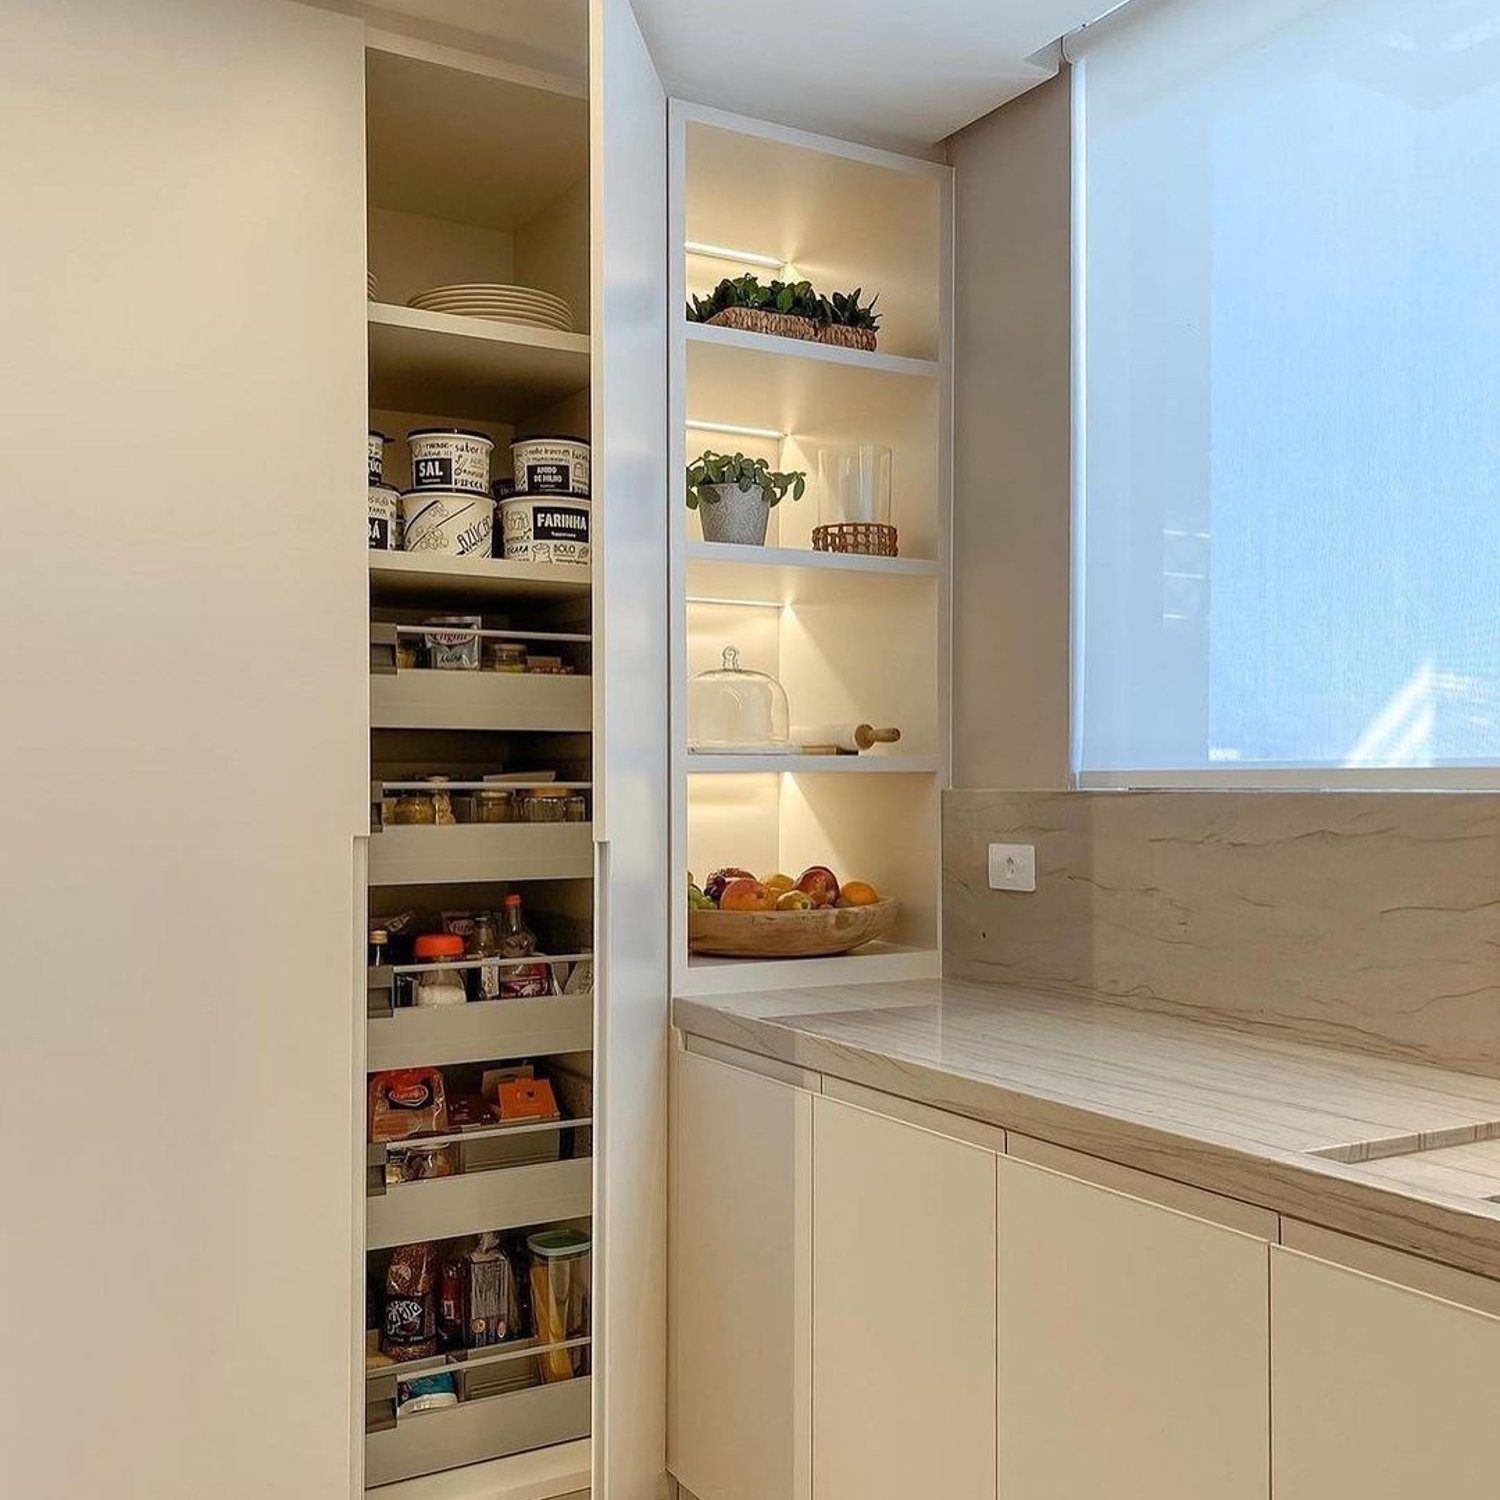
1363	918
1011	454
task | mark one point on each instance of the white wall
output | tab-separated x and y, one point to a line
185	712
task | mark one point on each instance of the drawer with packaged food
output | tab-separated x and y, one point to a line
476	1346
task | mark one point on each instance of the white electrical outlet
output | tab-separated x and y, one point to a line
1012	867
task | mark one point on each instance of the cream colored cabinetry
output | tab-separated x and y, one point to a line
740	1267
1378	1390
903	1313
1132	1347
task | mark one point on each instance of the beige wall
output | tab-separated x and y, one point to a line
1012	444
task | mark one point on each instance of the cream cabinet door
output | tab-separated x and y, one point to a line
1378	1391
740	1264
903	1310
1133	1348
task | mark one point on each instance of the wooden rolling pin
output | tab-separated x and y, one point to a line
846	738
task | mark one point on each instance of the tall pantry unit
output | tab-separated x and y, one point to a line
190	359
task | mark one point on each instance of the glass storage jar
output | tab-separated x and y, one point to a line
578	808
735	711
494	807
436	987
412	807
547	805
442	801
504	656
559	1273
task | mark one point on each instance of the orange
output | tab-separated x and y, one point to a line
746	895
858	893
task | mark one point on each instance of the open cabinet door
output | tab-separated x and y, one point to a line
629	227
182	393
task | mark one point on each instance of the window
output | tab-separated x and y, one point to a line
1288	462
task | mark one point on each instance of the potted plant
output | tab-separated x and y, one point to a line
841	320
788	308
733	496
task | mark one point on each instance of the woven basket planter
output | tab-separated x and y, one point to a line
757	320
867	538
848	338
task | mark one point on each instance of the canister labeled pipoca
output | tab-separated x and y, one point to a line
385	518
447	458
453	522
545	531
551	466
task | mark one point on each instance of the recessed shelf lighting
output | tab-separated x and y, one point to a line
739	257
736	430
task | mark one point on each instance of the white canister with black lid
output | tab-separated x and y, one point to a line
377	442
450	458
385	518
455	523
551	466
545	529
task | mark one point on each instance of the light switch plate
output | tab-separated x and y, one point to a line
1012	867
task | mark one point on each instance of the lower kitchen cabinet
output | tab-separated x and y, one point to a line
903	1311
1378	1391
740	1261
1133	1348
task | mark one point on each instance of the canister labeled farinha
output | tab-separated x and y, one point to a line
536	528
452	522
385	518
447	458
551	466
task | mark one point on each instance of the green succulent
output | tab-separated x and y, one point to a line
796	298
745	474
842	310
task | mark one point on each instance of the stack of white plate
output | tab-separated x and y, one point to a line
504	304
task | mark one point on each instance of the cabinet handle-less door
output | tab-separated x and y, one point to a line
1378	1391
903	1310
1133	1347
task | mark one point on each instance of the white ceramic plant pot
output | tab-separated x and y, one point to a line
737	516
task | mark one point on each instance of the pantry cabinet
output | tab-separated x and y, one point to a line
741	1267
1379	1390
1133	1347
903	1310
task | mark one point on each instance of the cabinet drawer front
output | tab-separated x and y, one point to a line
903	1310
1133	1348
1378	1391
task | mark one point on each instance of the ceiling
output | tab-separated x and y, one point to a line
898	73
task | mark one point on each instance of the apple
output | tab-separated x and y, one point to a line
820	883
747	894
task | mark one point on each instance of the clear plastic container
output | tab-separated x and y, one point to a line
437	987
559	1274
735	711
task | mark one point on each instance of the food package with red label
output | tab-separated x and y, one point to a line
405	1102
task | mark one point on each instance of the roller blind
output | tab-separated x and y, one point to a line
1288	459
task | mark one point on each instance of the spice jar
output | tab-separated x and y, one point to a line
504	656
547	805
442	801
494	807
412	807
578	808
439	986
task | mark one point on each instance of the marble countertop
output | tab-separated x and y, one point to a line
1415	1163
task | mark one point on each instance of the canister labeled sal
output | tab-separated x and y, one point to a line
447	458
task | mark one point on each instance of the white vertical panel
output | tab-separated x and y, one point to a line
182	389
629	225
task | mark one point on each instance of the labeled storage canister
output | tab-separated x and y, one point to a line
452	522
447	458
534	529
551	466
385	518
378	440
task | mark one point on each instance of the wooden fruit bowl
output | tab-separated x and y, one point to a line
789	934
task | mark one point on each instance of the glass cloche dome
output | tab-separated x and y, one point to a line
734	711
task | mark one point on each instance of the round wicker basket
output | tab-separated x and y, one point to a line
868	538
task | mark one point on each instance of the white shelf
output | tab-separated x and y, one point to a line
724	571
868	764
771	345
470	367
422	577
875	964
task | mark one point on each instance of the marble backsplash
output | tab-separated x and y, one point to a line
1369	919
